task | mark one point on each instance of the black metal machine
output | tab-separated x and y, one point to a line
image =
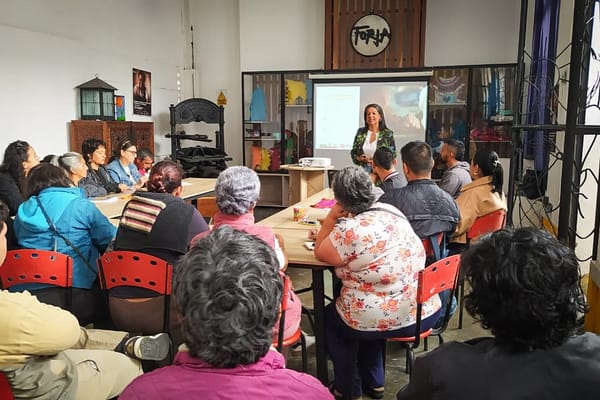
198	161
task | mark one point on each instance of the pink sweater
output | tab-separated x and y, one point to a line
191	378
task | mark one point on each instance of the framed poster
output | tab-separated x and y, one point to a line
120	108
142	92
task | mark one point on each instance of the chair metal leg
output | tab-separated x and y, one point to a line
461	288
309	314
304	351
410	358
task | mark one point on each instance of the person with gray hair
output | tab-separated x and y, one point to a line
377	256
76	169
237	190
228	292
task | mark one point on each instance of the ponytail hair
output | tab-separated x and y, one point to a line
488	162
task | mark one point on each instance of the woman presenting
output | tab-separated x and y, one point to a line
371	137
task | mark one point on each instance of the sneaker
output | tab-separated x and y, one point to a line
148	347
374	393
338	396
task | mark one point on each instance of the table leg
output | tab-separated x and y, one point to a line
319	308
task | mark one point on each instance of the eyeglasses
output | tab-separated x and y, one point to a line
131	151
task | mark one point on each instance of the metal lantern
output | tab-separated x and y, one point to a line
97	100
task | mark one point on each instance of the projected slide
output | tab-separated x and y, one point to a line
339	108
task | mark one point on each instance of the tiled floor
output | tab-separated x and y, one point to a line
395	375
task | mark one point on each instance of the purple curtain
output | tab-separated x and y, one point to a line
543	54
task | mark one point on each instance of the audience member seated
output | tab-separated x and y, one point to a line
57	216
44	354
19	158
525	290
237	191
144	160
228	292
457	172
156	222
122	169
98	181
377	256
428	208
74	165
384	170
482	196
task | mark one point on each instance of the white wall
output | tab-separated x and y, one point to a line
460	32
48	48
282	34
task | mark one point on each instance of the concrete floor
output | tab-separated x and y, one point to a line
395	360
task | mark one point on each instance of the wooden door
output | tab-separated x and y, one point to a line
142	134
82	130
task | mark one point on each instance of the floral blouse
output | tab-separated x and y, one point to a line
382	257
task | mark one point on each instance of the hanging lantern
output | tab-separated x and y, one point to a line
97	100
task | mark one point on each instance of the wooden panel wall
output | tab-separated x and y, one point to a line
407	22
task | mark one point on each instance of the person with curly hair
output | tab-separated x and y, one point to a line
525	289
19	158
228	291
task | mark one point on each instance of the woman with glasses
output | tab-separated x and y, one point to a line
122	168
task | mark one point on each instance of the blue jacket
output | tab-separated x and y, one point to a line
76	218
119	175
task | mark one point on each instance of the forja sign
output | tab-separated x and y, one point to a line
370	35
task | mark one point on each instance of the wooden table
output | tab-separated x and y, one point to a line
113	204
306	181
295	234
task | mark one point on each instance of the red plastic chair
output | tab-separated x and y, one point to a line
26	266
139	270
280	342
435	278
5	389
485	224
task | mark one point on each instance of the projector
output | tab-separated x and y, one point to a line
320	162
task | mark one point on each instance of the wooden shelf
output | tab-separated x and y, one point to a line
274	189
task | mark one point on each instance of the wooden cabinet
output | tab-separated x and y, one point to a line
112	133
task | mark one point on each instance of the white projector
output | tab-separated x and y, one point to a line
320	162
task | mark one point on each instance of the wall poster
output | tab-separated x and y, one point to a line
142	93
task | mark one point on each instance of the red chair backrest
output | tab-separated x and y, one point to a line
5	389
36	266
130	268
437	277
487	223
